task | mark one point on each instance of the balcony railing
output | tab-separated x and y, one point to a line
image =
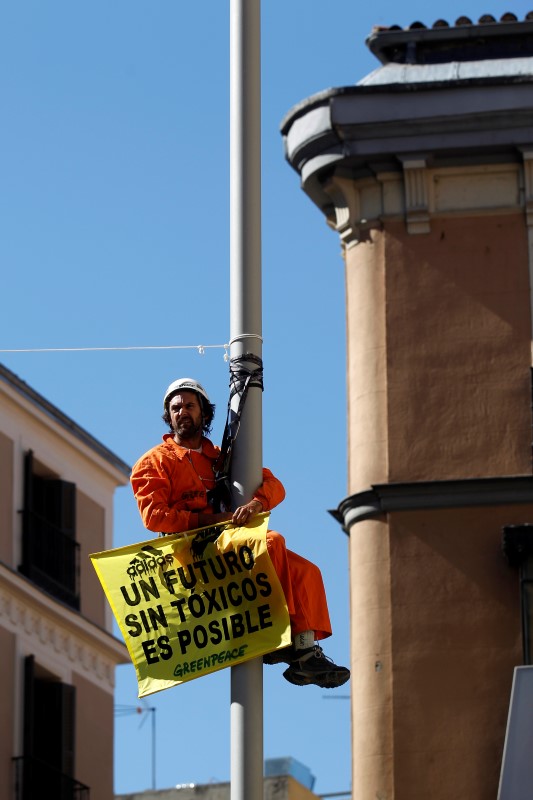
51	559
33	779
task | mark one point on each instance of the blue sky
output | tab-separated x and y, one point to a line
114	232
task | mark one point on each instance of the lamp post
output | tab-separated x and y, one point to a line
245	330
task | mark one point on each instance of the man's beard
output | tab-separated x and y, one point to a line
188	430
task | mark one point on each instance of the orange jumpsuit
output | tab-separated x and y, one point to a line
170	484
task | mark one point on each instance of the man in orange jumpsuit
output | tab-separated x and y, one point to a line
171	482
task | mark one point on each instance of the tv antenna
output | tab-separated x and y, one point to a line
143	710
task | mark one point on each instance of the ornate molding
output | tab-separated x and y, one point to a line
95	657
357	207
418	194
416	184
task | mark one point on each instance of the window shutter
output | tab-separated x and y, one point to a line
29	705
63	495
54	722
28	493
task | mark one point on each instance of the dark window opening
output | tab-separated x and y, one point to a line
517	544
50	553
47	767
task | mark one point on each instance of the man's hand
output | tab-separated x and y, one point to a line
244	514
205	520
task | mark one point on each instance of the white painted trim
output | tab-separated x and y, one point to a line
62	640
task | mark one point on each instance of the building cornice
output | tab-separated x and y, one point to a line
67	635
386	498
360	131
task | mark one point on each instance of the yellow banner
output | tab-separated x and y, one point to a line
187	605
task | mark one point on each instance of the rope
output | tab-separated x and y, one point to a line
200	347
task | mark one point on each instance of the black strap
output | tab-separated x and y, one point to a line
242	377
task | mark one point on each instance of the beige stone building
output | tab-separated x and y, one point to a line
57	652
425	171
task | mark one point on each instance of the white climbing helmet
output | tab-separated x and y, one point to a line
184	385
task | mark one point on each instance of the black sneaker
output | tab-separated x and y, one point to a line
312	666
283	656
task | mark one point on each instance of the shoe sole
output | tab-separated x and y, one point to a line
326	680
282	656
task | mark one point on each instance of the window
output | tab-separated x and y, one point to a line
50	553
47	767
517	545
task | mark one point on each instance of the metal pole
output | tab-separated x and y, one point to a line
153	710
245	329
